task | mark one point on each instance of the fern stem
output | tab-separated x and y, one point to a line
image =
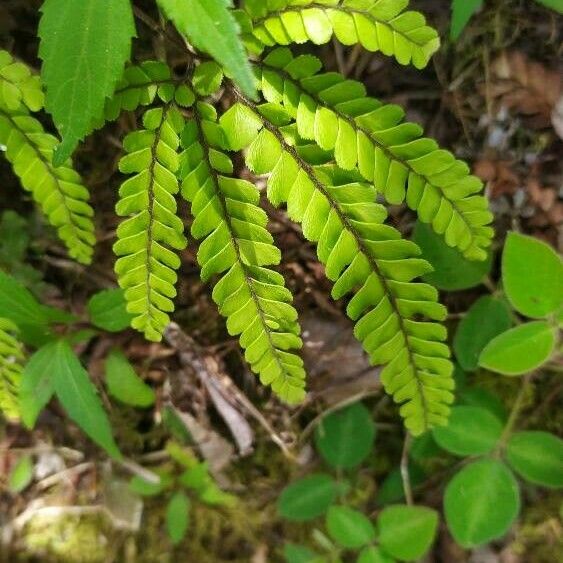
405	474
308	169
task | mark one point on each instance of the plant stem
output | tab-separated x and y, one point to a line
405	476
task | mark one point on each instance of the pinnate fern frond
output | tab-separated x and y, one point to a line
60	193
18	85
366	134
378	25
364	257
11	360
237	246
147	266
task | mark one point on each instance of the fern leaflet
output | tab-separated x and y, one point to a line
378	25
18	86
237	245
361	255
371	136
11	359
147	267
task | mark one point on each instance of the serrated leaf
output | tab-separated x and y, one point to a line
462	11
124	384
108	310
537	457
532	276
345	438
307	498
349	528
84	47
178	517
452	272
481	502
520	349
470	431
487	317
21	474
79	397
407	532
211	27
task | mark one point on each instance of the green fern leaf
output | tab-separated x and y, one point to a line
18	86
237	246
11	359
59	191
361	256
146	267
378	25
371	136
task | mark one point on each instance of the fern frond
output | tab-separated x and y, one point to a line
19	87
59	191
371	136
378	25
11	359
361	256
146	267
237	246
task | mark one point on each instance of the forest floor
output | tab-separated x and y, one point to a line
494	98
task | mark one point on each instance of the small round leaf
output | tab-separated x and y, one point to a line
487	318
307	498
345	438
481	397
481	502
107	310
451	270
178	517
124	384
537	457
470	431
295	553
349	528
407	532
520	349
21	474
372	554
532	275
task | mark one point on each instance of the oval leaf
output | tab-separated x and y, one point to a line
124	384
537	457
452	271
345	438
108	310
21	474
481	502
470	431
532	276
307	498
372	554
349	528
178	517
488	317
407	532
520	349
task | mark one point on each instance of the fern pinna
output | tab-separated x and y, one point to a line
11	360
330	154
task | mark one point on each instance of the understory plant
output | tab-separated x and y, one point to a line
331	155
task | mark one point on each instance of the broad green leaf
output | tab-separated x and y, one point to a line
520	349
452	271
178	517
470	431
345	438
349	528
481	397
21	474
79	397
462	11
108	310
537	457
556	5
124	384
481	502
84	47
488	317
211	27
37	383
294	553
307	498
532	276
372	554
406	532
